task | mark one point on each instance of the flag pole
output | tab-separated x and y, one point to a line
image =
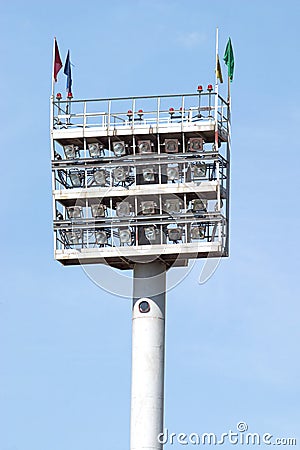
52	72
217	51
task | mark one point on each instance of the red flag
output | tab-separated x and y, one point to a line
57	61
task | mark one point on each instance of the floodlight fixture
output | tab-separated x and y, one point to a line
100	237
119	148
199	170
144	147
71	151
76	177
148	174
120	174
148	207
73	237
123	209
199	205
100	176
173	173
172	205
198	232
74	212
95	150
175	234
195	144
125	236
151	233
98	210
171	145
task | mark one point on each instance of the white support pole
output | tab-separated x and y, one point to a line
148	350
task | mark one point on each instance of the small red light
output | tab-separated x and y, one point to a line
171	110
70	95
209	87
129	112
140	111
58	96
199	88
180	109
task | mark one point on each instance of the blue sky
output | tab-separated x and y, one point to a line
232	343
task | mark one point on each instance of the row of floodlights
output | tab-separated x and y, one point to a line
126	236
147	207
149	174
121	149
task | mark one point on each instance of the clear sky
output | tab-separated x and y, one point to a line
232	343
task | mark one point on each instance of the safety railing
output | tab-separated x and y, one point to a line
140	111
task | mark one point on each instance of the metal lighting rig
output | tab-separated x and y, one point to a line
142	183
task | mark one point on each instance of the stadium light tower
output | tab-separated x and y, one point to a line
142	184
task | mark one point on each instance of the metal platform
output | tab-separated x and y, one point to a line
201	175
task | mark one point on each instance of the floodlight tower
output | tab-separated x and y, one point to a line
142	183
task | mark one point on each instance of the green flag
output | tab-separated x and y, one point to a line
229	59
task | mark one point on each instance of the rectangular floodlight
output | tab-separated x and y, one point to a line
172	205
100	237
144	147
171	145
74	212
98	210
175	234
199	170
99	176
95	150
195	144
148	207
71	151
123	209
119	148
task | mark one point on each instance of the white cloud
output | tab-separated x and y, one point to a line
191	39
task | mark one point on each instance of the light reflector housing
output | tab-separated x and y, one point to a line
76	177
71	151
100	176
100	237
148	174
199	170
95	150
125	236
195	144
151	233
123	209
98	210
119	148
148	207
173	173
174	234
73	237
198	232
171	145
74	212
172	205
120	174
199	205
144	147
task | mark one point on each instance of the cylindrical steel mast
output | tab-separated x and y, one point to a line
148	350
